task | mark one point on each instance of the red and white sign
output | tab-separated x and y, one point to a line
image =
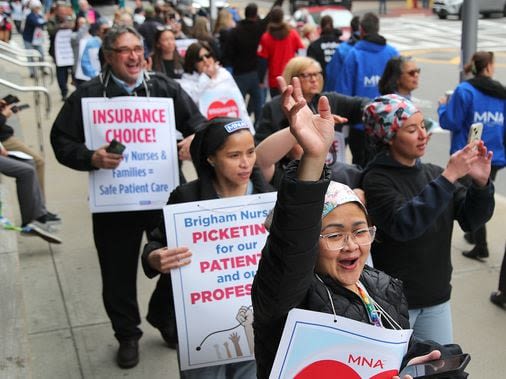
219	108
321	345
149	170
212	295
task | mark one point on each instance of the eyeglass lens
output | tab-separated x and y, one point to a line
310	75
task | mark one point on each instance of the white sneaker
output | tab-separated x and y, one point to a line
39	229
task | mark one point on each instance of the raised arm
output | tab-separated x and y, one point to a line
272	149
285	271
314	133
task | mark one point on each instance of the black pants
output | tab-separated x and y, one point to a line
161	312
117	239
502	274
480	235
62	76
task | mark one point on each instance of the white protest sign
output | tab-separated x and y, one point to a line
64	55
321	345
182	45
212	295
337	150
224	100
149	170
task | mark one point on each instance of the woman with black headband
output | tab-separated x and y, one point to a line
224	156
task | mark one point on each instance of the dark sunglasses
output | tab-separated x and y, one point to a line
414	72
205	56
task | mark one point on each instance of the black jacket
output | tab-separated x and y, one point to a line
196	190
414	209
286	279
242	43
148	30
323	49
273	118
67	133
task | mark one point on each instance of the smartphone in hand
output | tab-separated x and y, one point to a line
20	107
115	147
441	368
475	132
10	99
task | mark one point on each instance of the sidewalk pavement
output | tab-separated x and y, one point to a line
69	335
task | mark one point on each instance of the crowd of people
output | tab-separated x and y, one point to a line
386	209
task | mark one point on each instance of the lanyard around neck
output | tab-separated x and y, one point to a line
369	306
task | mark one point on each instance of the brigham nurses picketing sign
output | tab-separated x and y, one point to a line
212	295
149	170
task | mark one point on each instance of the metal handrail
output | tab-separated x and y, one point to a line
48	65
27	53
36	93
30	89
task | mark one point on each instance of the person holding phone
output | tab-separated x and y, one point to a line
320	236
12	143
118	235
414	205
480	99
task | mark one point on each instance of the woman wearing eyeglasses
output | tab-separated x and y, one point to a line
273	120
320	236
480	99
310	75
401	76
166	58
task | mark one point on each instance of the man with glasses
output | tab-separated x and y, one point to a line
118	235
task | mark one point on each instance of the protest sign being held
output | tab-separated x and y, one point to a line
319	345
149	169
64	54
226	237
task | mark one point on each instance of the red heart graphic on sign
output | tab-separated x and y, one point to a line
327	369
221	109
330	369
